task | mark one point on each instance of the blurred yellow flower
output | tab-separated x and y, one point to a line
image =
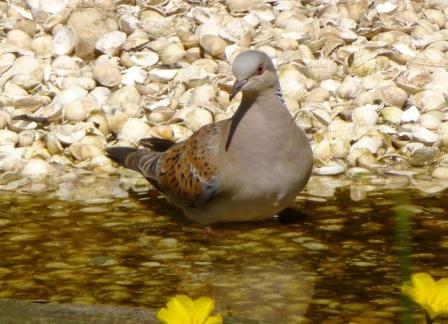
431	295
182	309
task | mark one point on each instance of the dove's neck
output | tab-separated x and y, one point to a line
261	117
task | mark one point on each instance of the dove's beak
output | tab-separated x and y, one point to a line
237	87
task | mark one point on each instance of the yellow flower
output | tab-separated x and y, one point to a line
431	295
182	310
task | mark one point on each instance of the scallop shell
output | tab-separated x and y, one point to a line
392	115
162	131
107	74
6	61
26	138
393	96
144	59
159	115
133	130
64	65
83	151
37	170
111	43
100	121
321	69
172	53
79	110
64	41
419	154
8	137
213	45
196	118
116	121
69	134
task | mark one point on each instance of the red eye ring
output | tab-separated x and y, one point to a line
260	70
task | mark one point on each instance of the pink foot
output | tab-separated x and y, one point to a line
209	229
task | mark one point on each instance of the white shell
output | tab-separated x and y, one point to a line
133	130
111	42
64	41
410	115
36	169
333	169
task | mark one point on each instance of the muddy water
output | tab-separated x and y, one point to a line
328	260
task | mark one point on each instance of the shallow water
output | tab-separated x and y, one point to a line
331	260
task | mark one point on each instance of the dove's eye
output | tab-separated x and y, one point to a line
260	70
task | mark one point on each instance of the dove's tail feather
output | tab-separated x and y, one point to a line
125	156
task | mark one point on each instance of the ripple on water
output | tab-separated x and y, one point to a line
336	261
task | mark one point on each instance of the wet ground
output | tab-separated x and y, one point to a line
331	259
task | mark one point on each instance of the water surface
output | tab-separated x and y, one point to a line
329	260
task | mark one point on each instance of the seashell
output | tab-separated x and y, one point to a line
107	74
180	133
419	154
203	95
411	114
236	6
159	115
430	121
136	39
393	96
116	121
134	75
435	16
440	173
101	94
213	45
318	95
6	61
350	88
37	170
392	114
196	118
162	131
83	151
26	72
334	169
372	143
26	138
320	69
208	65
19	39
4	119
79	110
100	121
111	42
128	23
365	115
67	96
192	54
172	53
82	82
133	130
66	66
424	135
144	59
53	145
188	39
64	41
429	100
159	74
125	96
291	85
69	134
8	137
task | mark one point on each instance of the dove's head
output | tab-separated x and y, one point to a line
254	72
